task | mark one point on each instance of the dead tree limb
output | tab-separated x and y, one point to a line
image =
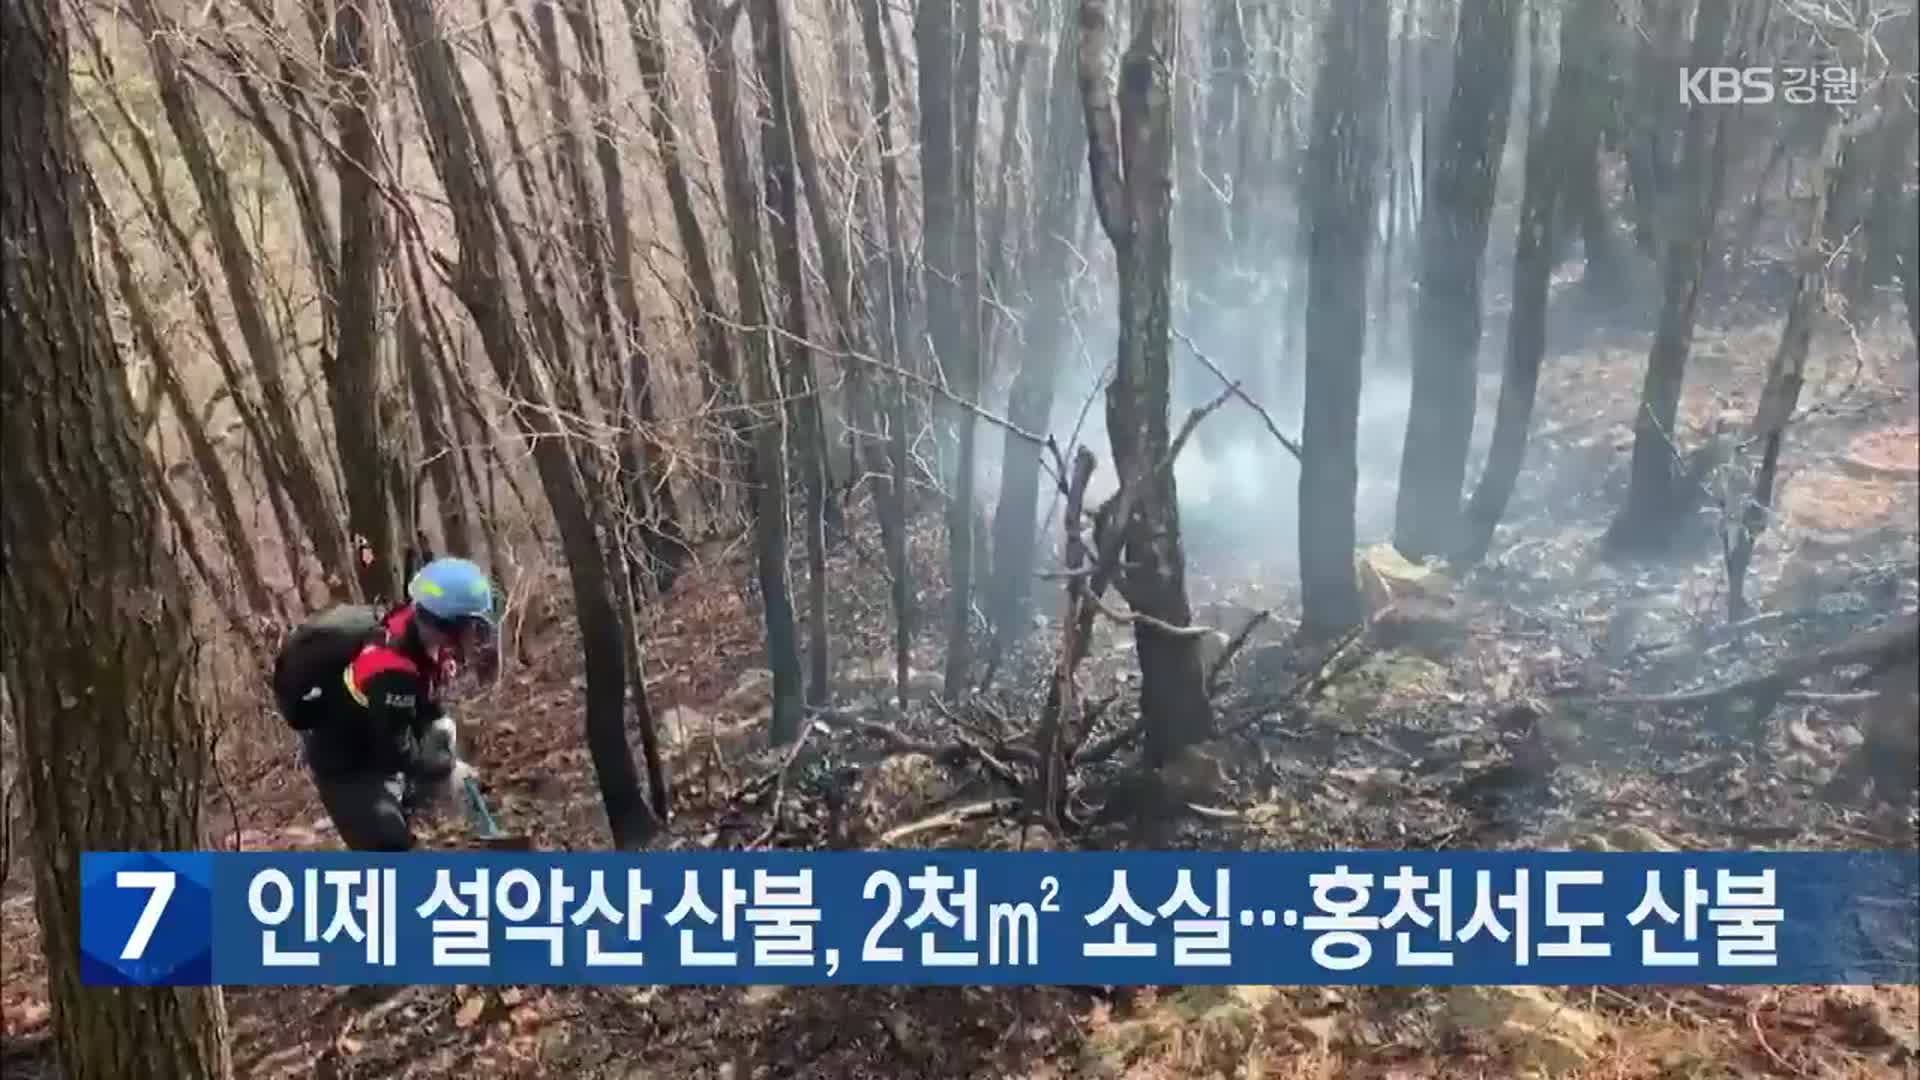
1292	446
780	787
1876	648
1232	649
1050	784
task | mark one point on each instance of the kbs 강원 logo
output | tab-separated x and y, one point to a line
146	919
1761	85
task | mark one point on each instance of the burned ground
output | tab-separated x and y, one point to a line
1481	731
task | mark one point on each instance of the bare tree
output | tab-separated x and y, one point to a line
166	371
947	35
1893	163
779	158
1549	157
354	374
1447	313
896	340
158	208
719	371
237	263
1060	179
1785	376
1130	157
715	28
113	740
461	160
1653	495
1339	204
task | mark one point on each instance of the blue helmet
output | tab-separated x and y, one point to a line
453	590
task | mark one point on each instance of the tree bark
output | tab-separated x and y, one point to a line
643	456
769	480
1650	154
947	34
354	378
1893	169
720	375
1060	180
461	161
1131	162
1645	522
1447	313
114	747
1785	376
897	345
438	449
1549	156
782	198
1339	203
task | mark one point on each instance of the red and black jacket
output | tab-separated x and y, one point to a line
393	697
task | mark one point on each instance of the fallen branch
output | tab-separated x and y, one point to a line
901	743
780	786
1232	649
1891	639
1303	689
1858	697
1307	686
1094	753
946	818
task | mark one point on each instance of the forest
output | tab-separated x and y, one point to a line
1001	424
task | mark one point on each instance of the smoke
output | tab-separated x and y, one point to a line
1238	486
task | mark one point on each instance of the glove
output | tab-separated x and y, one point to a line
442	731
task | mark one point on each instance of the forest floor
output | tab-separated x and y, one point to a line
1406	749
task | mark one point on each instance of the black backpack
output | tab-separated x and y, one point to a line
308	675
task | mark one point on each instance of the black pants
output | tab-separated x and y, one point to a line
369	810
372	810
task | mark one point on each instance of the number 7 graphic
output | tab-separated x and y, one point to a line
161	882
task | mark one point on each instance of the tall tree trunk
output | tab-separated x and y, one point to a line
720	375
461	161
114	746
354	379
1131	162
1339	203
782	195
897	344
1447	313
715	28
1548	159
206	458
1645	522
642	456
1893	169
1604	278
1910	271
159	210
1059	178
304	488
1650	154
1785	376
438	449
947	34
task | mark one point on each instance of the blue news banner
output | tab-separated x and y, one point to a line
1000	918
